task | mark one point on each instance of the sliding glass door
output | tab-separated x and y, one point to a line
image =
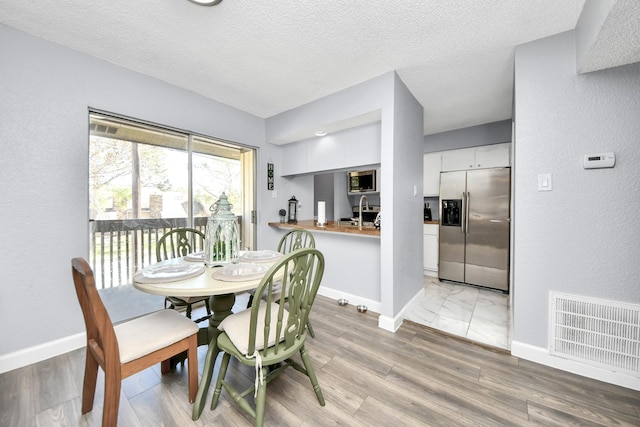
145	180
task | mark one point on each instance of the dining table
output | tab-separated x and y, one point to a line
188	277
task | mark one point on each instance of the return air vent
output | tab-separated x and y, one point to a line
601	333
111	130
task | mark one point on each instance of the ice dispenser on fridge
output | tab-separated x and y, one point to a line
450	216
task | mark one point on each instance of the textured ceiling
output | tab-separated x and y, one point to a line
612	36
456	57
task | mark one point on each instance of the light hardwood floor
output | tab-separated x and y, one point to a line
369	377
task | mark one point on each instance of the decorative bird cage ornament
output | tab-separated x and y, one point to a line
222	238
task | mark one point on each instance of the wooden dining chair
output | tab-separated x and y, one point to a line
271	333
127	348
176	243
292	240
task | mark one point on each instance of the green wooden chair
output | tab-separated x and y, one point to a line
176	243
292	240
296	239
271	333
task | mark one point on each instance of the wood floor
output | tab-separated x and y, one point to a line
369	377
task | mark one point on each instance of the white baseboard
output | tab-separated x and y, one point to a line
27	356
390	324
40	352
384	322
430	273
541	355
354	300
393	324
44	351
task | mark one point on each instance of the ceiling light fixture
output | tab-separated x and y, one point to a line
206	2
321	132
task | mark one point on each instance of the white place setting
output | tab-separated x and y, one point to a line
171	270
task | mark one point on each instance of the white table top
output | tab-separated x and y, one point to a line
204	284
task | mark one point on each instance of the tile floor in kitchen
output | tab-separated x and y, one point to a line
475	313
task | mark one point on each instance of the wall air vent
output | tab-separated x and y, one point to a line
602	333
97	128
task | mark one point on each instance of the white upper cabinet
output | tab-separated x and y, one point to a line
493	156
487	156
456	160
431	173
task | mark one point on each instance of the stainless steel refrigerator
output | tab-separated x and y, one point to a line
474	227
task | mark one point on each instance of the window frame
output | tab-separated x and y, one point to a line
245	154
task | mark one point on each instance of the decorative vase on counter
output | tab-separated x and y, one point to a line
222	238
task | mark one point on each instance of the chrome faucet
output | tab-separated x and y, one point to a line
363	197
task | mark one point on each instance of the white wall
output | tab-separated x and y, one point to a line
583	237
403	213
473	136
400	154
46	93
350	268
353	147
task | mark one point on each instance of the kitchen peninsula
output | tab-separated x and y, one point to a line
330	227
352	260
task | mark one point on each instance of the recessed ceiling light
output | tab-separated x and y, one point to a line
321	132
206	2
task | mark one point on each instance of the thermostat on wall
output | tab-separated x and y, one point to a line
595	161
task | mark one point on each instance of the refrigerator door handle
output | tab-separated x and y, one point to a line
466	213
463	213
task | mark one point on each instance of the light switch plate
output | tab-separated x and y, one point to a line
545	182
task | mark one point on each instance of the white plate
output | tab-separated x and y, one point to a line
260	256
195	256
168	273
240	272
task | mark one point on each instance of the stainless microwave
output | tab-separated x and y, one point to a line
365	181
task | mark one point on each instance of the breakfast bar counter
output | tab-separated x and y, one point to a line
353	265
330	227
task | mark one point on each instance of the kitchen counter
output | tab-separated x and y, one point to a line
436	222
331	227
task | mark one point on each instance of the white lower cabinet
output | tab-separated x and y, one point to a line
430	249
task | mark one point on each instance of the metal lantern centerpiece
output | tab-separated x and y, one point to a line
293	210
222	238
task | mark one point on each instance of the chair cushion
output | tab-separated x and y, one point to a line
146	334
237	327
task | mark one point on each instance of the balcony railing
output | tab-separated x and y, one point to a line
119	248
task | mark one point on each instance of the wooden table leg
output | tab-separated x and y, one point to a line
221	306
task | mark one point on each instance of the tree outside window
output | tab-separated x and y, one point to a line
139	188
